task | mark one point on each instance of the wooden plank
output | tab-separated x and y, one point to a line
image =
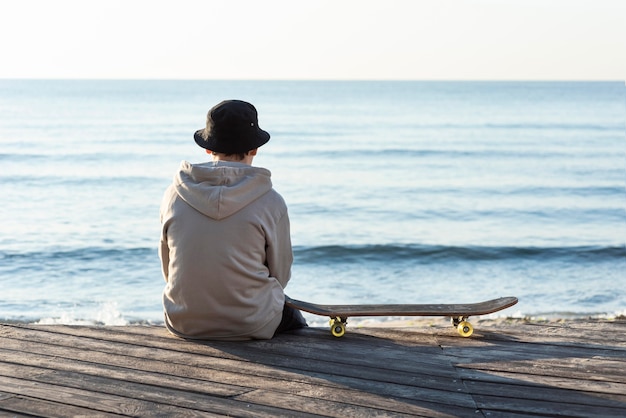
586	369
326	405
608	390
568	333
537	392
604	368
542	408
552	342
94	401
21	406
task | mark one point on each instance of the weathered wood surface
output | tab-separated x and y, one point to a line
507	369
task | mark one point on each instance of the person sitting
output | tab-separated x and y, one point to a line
225	247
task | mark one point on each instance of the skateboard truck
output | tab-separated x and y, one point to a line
464	328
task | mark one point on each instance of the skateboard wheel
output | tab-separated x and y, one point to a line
465	329
337	326
338	329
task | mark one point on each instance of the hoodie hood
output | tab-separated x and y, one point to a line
221	188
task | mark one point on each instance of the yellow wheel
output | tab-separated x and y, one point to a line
337	327
465	329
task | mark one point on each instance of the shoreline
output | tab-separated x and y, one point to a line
315	321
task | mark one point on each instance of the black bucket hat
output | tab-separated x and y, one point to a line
232	127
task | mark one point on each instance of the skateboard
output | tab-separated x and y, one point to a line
459	313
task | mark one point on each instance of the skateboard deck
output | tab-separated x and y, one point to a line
459	313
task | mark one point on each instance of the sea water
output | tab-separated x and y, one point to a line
398	191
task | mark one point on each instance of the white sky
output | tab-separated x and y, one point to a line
291	39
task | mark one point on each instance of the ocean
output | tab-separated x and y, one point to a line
398	192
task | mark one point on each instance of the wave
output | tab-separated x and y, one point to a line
340	129
80	254
408	154
386	253
327	254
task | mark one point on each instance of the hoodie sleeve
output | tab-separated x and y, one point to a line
279	251
164	250
164	255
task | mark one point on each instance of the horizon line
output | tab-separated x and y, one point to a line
546	80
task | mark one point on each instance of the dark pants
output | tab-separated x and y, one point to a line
292	319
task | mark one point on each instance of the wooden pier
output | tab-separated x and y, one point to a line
510	368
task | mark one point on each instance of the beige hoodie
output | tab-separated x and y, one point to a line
225	252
